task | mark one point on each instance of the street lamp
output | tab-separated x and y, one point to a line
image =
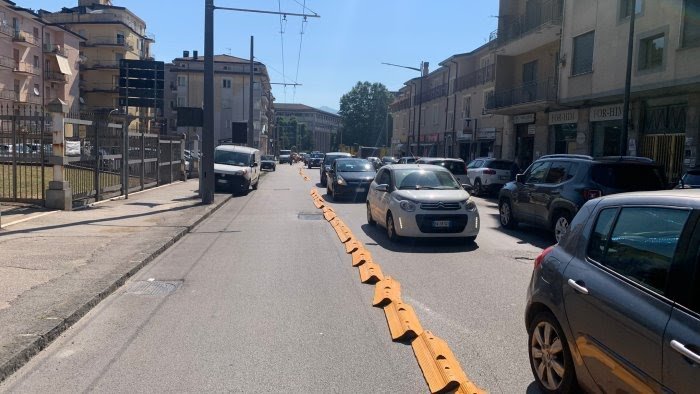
420	94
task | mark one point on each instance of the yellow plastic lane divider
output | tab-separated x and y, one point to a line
371	273
402	320
386	291
352	246
360	257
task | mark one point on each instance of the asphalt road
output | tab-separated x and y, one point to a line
260	298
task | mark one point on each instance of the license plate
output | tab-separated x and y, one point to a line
360	190
221	181
441	223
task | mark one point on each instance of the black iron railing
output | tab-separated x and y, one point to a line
476	78
513	27
537	91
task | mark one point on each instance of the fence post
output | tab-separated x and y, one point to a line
143	157
59	194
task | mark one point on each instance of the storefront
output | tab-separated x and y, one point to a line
524	139
606	130
486	137
563	130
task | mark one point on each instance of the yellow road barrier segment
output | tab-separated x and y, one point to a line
370	273
360	257
329	215
319	203
402	320
352	246
386	291
440	366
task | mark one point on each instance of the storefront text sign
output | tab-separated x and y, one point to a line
606	112
486	133
525	118
531	129
563	117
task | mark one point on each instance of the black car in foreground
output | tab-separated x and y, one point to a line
268	162
555	187
328	160
350	178
615	306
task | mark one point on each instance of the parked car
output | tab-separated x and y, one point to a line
376	163
314	160
350	178
408	160
690	180
236	168
456	166
615	306
328	160
555	187
488	175
412	200
268	162
386	160
285	156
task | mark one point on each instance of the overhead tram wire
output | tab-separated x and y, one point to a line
284	75
301	40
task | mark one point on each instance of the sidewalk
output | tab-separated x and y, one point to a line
57	266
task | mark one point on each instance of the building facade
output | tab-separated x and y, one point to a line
324	125
185	88
38	60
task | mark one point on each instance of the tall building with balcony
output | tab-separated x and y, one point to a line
324	125
184	87
38	60
401	110
527	71
111	33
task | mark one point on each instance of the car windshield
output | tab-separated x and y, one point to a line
231	158
628	177
388	159
455	167
268	158
328	160
285	152
317	156
357	165
692	178
418	179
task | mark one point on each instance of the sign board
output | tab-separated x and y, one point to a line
239	132
486	133
563	117
606	112
141	83
525	118
190	117
531	129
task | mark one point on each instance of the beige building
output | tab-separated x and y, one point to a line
324	125
185	88
38	60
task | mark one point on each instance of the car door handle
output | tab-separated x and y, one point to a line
578	287
680	348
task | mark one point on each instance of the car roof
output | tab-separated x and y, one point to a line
338	154
236	148
431	159
677	197
414	166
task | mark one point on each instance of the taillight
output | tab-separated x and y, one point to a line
489	171
589	194
539	259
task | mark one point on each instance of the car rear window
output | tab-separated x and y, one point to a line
692	178
628	177
499	165
455	167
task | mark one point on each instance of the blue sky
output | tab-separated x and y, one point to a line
346	45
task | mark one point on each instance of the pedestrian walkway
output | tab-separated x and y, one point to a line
55	266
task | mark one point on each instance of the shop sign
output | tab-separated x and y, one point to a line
563	117
606	112
525	118
531	129
486	133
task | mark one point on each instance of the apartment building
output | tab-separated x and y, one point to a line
401	110
38	60
111	33
324	125
185	88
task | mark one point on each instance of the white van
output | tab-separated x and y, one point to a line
236	168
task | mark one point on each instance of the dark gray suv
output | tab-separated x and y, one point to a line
615	306
554	187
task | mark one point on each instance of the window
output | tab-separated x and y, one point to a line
538	172
691	23
488	97
435	114
476	164
36	62
181	80
467	107
180	101
583	54
120	38
35	33
641	252
227	83
598	238
383	178
651	52
557	173
626	6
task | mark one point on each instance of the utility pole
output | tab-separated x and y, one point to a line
628	82
420	99
251	130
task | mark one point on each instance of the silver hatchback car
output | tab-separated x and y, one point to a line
416	200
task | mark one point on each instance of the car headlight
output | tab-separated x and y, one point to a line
407	205
240	172
341	181
470	205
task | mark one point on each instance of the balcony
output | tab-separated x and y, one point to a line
400	105
29	98
108	41
476	78
22	38
54	49
433	93
515	34
6	94
101	64
26	68
55	77
532	96
99	87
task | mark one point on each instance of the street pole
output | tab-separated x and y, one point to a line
208	182
420	107
251	132
628	82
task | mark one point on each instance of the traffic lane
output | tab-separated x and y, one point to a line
268	302
471	295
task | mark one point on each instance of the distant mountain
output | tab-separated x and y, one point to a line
329	109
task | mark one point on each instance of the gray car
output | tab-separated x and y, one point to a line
615	306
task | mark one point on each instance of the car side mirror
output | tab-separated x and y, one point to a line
469	188
520	178
382	188
252	165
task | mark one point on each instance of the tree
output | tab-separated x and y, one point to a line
306	138
363	112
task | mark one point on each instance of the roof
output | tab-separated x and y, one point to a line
218	59
299	108
236	148
687	198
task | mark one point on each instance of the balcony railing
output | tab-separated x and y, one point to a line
538	91
6	29
110	41
99	87
401	105
513	27
7	62
54	48
55	77
476	78
433	93
29	98
74	17
6	94
20	36
27	68
101	63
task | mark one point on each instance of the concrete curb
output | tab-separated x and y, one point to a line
42	341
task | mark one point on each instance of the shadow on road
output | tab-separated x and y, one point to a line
418	245
535	236
533	389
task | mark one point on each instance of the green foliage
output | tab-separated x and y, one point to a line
363	112
294	135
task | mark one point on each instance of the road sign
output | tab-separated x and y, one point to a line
141	83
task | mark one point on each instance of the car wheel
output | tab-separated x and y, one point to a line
477	187
391	229
562	220
255	185
323	181
506	214
550	357
370	220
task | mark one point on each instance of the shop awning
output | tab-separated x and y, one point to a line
63	65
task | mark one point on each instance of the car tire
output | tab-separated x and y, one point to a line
560	224
505	213
477	187
370	220
391	228
255	185
550	357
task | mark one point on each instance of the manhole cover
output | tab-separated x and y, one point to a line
310	216
153	287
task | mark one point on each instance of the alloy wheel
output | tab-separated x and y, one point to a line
547	353
561	227
505	214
